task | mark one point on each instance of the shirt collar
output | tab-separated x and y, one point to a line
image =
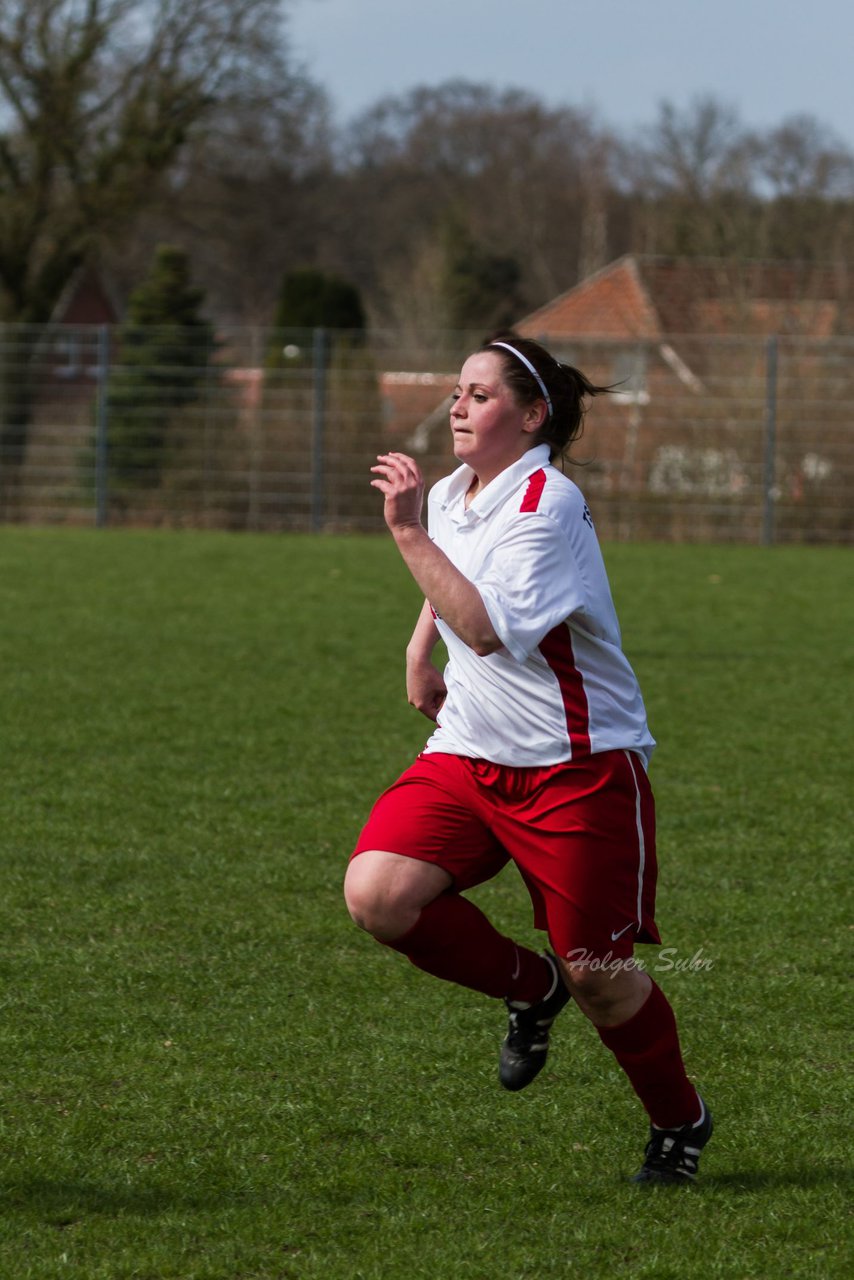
505	483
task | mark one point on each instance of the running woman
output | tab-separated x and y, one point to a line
540	750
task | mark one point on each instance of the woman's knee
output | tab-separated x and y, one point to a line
597	990
583	981
363	893
386	892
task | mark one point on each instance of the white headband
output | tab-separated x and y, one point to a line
526	362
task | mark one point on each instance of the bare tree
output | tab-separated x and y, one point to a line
803	158
251	198
692	182
527	181
97	99
699	152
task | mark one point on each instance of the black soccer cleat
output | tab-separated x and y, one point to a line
523	1052
672	1155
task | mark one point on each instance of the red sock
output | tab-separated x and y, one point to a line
452	939
647	1048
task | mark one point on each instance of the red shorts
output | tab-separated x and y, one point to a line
582	835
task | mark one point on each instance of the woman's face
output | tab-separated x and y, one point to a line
491	429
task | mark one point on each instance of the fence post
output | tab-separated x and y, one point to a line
101	427
256	428
320	357
769	470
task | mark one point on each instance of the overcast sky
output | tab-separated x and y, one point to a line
767	58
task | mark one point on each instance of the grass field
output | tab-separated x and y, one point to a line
210	1074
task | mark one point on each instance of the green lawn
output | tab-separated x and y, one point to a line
210	1074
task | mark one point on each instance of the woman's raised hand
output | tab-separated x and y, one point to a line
399	479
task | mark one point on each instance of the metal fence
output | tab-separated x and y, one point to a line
743	439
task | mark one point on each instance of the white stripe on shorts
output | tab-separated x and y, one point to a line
641	841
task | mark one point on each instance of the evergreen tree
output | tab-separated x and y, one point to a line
165	351
480	289
321	411
312	299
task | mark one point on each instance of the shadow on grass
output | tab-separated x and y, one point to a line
776	1179
62	1203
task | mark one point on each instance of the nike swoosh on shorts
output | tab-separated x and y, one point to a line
620	932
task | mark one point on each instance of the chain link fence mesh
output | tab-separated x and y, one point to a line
740	439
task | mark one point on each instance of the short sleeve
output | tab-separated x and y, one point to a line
530	583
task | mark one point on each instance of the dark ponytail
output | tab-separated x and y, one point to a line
567	387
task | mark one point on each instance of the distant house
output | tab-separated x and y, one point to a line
649	325
686	347
640	297
84	305
86	299
650	311
59	364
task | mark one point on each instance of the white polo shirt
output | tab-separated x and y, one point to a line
561	687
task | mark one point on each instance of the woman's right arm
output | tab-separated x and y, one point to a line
425	687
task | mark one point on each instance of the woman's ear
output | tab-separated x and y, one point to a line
535	417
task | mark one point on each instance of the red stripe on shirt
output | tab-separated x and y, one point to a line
534	491
556	648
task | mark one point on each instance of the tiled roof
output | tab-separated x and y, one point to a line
85	300
645	297
613	303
